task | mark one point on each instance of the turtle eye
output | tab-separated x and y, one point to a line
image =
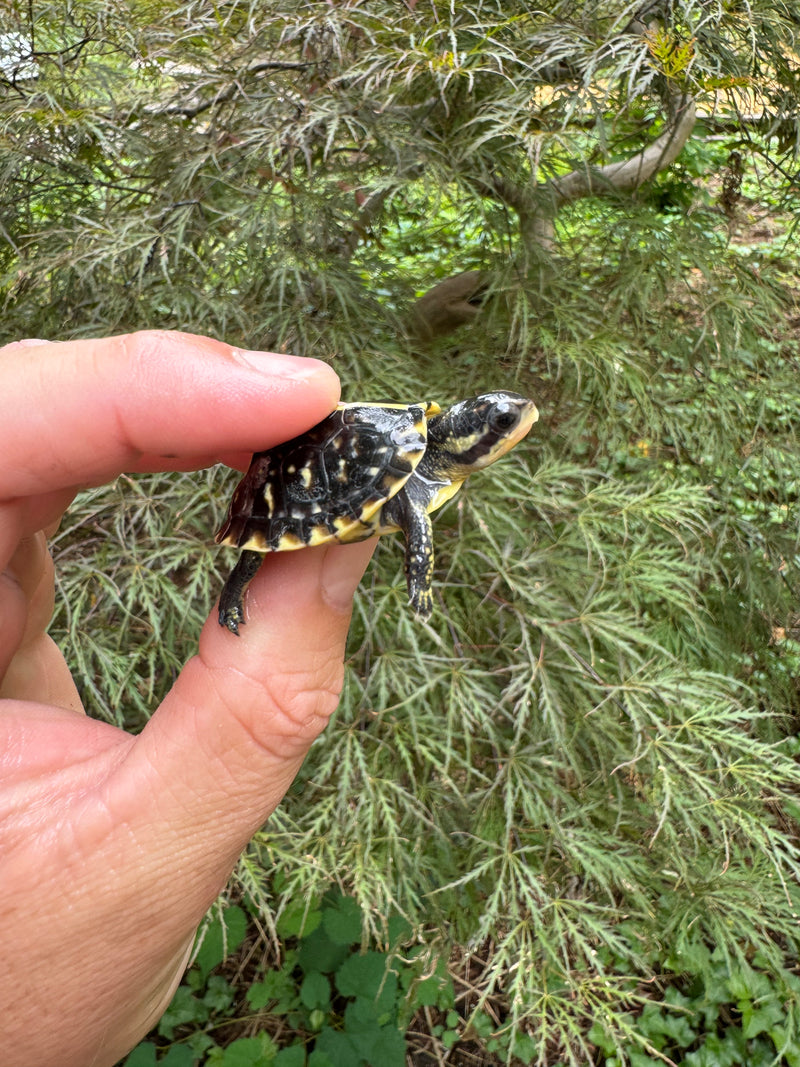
503	418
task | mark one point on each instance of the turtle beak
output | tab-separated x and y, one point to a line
528	415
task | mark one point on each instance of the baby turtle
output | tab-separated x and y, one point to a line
366	470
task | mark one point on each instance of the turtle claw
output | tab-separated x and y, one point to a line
232	618
421	601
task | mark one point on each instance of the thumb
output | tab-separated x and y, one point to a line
226	743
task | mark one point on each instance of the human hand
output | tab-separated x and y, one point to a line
112	847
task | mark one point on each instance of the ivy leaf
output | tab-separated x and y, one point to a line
292	1056
219	994
144	1055
278	989
184	1007
250	1052
759	1019
315	991
178	1056
524	1048
221	937
367	976
341	919
338	1047
318	952
298	919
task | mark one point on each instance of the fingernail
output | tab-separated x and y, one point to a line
278	365
25	342
342	570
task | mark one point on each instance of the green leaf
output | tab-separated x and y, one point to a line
178	1056
524	1048
298	919
315	991
727	1051
316	1018
694	956
221	938
144	1055
384	1047
599	1035
256	1051
758	1019
219	994
338	1047
362	1014
318	952
291	1056
277	990
399	930
655	1023
341	918
184	1008
745	983
367	975
430	992
482	1024
319	1059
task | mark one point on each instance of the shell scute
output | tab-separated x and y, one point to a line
330	483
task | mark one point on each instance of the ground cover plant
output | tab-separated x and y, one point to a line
560	819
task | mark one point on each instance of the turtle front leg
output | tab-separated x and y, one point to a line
419	560
231	608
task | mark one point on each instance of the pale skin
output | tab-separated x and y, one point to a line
112	846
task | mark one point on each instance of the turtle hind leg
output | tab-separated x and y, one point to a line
231	608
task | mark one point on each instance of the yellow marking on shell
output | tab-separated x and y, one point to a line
426	404
291	469
289	542
269	497
306	476
320	535
256	542
344	525
429	409
350	530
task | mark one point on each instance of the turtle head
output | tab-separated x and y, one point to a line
474	433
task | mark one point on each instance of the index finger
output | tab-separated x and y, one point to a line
79	413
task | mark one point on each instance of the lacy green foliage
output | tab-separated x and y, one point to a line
232	167
586	760
137	578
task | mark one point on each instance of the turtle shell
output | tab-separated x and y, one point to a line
330	483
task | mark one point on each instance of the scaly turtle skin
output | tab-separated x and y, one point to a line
366	470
